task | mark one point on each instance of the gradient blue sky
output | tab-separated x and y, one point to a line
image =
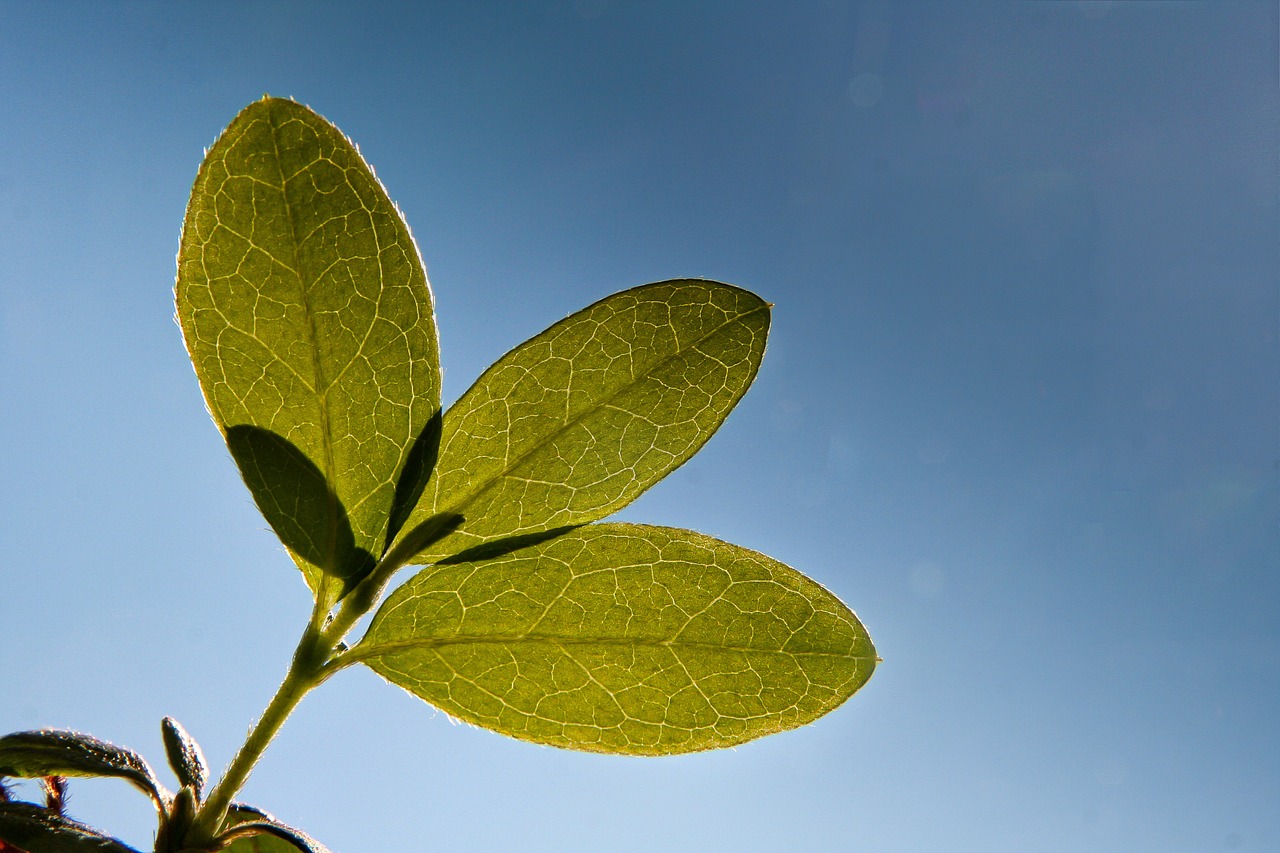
1019	408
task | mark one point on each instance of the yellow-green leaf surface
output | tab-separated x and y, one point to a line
576	422
622	638
307	313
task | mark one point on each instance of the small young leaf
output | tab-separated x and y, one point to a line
36	830
576	422
185	756
266	837
56	752
177	822
307	313
622	638
243	812
252	830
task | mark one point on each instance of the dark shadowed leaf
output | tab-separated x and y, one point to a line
578	421
309	518
57	752
38	830
307	313
622	638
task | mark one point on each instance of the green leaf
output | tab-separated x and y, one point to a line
185	756
578	421
38	830
307	313
622	638
56	752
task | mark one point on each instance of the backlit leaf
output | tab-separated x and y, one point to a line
576	422
307	314
622	638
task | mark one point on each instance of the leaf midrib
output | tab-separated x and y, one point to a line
321	388
578	417
361	653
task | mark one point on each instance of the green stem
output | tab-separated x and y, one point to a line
312	664
367	593
305	673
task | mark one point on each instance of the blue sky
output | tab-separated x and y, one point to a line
1019	408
